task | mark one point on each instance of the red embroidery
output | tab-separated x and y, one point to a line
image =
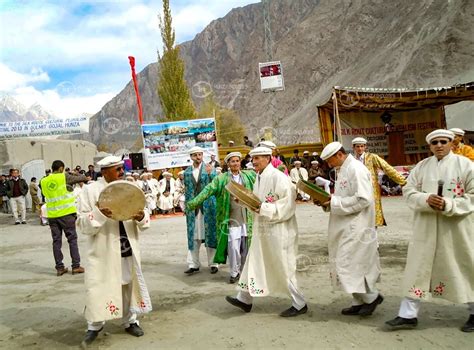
418	292
112	308
439	289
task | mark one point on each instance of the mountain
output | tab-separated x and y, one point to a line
11	111
321	44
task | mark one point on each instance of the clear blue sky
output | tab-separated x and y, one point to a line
71	56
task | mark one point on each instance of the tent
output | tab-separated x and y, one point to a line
394	121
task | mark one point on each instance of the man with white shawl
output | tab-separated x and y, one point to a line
352	241
270	268
115	287
166	189
440	261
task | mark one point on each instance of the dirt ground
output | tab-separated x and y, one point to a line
42	311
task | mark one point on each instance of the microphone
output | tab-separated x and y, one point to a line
440	188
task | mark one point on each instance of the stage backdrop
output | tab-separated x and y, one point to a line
167	144
415	125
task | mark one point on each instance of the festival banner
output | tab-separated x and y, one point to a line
50	127
167	144
414	125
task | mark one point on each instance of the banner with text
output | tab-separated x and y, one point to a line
50	127
167	144
415	125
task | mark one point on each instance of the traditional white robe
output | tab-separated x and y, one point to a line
270	267
103	277
353	256
295	177
440	259
150	195
166	203
179	197
155	184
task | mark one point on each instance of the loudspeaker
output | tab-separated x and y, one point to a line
137	161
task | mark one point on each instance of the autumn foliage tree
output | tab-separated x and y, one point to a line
172	89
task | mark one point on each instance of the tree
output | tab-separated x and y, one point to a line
228	123
172	89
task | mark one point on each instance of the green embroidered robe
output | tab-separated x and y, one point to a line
217	188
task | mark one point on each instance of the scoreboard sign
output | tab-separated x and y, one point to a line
271	76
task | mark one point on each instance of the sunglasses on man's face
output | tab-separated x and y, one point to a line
435	142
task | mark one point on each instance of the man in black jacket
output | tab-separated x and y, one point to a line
17	188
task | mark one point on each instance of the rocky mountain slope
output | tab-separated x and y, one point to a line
371	43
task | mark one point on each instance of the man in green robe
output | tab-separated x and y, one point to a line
234	223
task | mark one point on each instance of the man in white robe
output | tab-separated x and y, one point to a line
440	261
115	287
151	193
352	241
179	198
166	190
270	268
296	174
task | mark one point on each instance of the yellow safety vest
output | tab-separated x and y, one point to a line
59	201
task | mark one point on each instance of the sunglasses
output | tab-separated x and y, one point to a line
443	142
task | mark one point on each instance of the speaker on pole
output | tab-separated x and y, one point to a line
137	161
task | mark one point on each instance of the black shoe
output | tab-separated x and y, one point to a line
351	311
23	222
292	311
135	330
232	280
401	323
368	309
214	269
239	304
469	325
90	337
17	223
191	271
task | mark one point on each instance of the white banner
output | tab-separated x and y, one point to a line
50	127
167	144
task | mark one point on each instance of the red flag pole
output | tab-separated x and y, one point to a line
135	86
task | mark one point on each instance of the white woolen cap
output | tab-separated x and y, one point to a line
181	172
196	149
232	154
109	161
314	162
268	144
439	133
359	141
260	151
330	150
457	131
167	174
297	162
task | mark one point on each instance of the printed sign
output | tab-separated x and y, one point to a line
271	76
167	144
50	127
